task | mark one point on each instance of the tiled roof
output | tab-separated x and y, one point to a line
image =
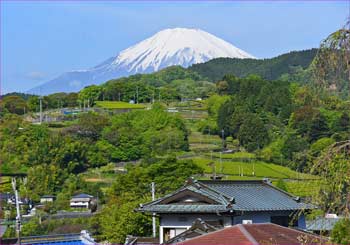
256	196
256	234
188	208
229	196
82	195
321	224
48	196
227	236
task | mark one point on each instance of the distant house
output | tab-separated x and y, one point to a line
81	201
5	197
21	201
172	109
253	234
223	203
47	198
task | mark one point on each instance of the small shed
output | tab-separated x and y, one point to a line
47	198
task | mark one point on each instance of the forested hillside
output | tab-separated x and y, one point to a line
270	69
261	118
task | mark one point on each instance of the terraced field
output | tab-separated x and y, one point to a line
254	169
118	105
244	165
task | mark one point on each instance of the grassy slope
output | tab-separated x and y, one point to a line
260	169
118	105
232	164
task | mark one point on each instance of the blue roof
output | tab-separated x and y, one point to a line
321	224
229	196
82	195
256	195
48	196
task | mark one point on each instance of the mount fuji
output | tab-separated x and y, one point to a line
178	46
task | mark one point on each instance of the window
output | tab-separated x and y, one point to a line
172	232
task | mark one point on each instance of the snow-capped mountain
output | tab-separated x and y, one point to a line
178	46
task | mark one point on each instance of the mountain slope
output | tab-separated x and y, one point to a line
270	69
178	46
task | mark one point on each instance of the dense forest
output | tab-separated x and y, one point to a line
270	69
262	108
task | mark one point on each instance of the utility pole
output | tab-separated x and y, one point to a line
18	212
221	163
41	108
253	169
223	139
137	94
153	215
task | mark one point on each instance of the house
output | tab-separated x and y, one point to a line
322	225
21	201
254	234
81	201
222	203
5	197
47	198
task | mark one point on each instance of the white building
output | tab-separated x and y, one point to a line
81	201
47	198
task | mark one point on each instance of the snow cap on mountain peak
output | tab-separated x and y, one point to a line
176	46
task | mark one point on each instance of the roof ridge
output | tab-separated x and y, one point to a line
214	190
247	234
233	181
296	230
164	197
210	233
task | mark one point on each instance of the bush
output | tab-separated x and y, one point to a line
341	232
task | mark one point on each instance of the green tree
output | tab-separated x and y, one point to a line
333	167
14	104
252	133
90	125
317	147
90	94
343	123
341	232
118	220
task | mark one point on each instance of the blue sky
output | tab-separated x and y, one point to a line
40	40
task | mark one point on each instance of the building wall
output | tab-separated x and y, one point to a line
265	217
187	219
302	222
